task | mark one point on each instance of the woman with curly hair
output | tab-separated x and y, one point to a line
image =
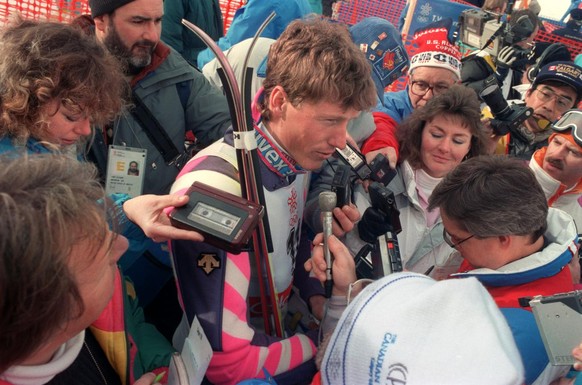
433	140
55	84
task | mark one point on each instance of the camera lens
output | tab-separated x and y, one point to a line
493	97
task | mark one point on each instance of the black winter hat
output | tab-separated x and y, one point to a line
103	7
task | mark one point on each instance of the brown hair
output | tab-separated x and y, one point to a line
48	204
458	102
43	61
492	196
316	60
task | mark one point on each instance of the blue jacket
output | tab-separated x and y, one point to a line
138	242
397	105
250	16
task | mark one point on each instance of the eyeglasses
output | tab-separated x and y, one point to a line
420	88
571	120
545	95
449	240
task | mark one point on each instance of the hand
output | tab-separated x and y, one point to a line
493	139
317	305
147	379
577	353
148	212
373	224
574	266
343	267
506	57
344	219
388	152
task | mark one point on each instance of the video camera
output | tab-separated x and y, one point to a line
506	117
378	169
378	228
484	30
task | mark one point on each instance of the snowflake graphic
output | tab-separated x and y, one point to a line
292	201
425	9
335	364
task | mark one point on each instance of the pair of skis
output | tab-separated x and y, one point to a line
245	144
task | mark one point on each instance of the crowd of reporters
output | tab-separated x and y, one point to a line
472	187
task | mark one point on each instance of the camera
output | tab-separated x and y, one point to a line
559	319
506	118
379	227
378	170
472	24
341	185
484	30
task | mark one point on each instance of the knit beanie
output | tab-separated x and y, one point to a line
103	7
407	328
434	48
382	44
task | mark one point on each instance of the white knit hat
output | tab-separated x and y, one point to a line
432	48
407	328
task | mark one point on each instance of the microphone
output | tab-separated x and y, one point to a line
327	201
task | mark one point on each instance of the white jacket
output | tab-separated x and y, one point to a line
421	247
556	194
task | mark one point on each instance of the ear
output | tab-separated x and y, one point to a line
277	101
505	241
101	23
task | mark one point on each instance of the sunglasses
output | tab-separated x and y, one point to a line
571	120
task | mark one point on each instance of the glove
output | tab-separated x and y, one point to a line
507	56
505	59
373	224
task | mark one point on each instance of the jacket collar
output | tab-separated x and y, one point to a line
161	53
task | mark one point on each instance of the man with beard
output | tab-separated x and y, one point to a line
556	89
170	99
176	95
558	167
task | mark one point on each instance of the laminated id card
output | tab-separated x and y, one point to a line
125	170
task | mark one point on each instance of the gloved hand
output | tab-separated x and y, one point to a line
373	224
506	57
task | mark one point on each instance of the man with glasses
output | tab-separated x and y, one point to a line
558	167
434	67
556	89
496	215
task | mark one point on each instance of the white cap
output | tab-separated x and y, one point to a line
407	328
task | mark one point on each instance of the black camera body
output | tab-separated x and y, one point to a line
378	170
497	35
484	30
506	117
341	185
381	255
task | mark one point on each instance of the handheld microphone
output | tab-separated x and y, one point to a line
327	201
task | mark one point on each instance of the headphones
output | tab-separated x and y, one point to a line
551	50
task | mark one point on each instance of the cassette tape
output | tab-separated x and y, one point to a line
226	220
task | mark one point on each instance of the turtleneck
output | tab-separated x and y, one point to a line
425	184
41	374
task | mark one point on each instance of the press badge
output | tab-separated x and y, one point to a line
196	355
125	170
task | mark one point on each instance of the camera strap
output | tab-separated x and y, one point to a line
154	130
